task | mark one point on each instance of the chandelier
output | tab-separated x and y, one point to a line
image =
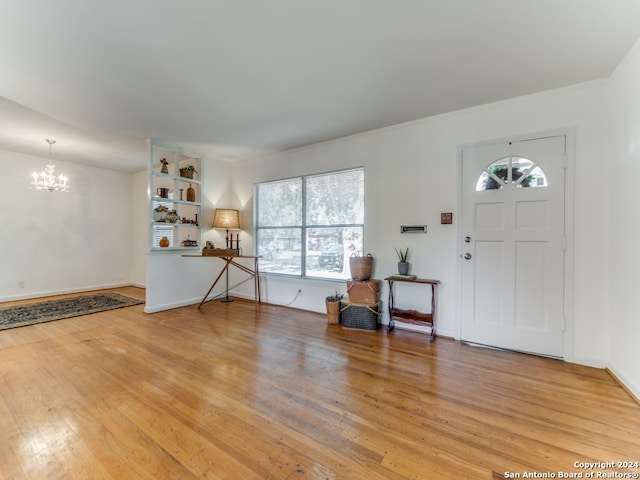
47	180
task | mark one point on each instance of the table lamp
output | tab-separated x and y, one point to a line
227	219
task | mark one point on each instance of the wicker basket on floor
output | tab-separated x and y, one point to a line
333	311
362	316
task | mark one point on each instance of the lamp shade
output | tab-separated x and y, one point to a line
226	218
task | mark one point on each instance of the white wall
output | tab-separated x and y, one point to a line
139	227
624	165
63	242
411	176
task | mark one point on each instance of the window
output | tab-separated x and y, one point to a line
519	171
309	226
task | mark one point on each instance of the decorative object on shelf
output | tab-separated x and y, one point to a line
160	213
181	190
333	308
189	242
163	192
227	219
237	247
164	168
172	217
188	171
164	242
361	266
47	180
403	265
191	194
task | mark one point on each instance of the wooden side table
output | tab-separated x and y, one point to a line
413	317
230	260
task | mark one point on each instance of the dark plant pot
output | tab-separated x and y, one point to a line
403	268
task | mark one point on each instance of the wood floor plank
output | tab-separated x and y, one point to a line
124	449
235	390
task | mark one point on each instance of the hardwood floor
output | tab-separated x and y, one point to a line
240	391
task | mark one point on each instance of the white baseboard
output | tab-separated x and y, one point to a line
193	301
169	306
52	293
627	383
588	361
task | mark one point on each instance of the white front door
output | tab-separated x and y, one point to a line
512	250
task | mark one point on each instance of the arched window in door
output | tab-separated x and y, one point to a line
518	171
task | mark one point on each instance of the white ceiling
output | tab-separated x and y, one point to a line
239	78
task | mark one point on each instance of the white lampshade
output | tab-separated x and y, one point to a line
227	219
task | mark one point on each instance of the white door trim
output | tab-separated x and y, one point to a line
569	208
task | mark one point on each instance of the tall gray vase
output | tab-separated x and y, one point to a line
403	268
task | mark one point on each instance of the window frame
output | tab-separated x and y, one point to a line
490	174
303	227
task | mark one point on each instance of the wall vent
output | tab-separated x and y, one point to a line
413	229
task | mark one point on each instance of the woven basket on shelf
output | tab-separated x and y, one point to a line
186	173
361	267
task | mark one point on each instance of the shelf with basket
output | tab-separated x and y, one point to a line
175	206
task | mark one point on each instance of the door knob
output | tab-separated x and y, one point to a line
467	256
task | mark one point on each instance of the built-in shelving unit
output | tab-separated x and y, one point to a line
175	206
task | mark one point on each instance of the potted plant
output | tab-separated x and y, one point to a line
188	171
333	308
403	265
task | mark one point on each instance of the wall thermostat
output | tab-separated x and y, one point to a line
446	218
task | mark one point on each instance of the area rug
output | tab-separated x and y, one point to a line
47	311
